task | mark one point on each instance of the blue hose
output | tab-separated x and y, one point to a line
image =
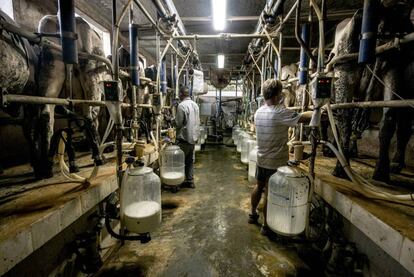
68	34
368	32
133	49
304	59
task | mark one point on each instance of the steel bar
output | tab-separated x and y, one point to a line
115	38
184	64
38	100
209	18
274	47
255	63
261	55
394	44
367	104
220	36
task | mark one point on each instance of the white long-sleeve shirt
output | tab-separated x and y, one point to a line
188	121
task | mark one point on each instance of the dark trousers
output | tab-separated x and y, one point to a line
188	150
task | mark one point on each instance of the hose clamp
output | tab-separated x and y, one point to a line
368	35
69	35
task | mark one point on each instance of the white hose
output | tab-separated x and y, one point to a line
108	130
370	190
65	169
154	140
366	186
72	176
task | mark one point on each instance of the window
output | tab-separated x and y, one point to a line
103	33
7	7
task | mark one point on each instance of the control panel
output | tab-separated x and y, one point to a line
111	91
322	87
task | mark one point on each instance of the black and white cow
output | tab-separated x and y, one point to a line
88	75
18	61
356	82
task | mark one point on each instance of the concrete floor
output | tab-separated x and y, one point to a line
205	231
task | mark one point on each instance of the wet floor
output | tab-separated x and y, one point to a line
205	231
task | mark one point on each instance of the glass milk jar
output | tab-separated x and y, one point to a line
287	201
172	166
252	165
141	200
247	144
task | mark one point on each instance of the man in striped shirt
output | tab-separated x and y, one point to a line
272	121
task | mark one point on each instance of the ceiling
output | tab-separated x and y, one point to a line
196	16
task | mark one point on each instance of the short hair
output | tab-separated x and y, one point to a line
184	91
271	88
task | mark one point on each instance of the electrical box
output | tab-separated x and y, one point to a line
322	87
111	91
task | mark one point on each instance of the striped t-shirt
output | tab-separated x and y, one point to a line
272	123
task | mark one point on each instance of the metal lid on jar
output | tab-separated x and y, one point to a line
141	170
172	148
290	171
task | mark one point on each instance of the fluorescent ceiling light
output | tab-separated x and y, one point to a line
219	14
220	61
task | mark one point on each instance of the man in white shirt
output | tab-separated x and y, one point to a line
187	121
272	122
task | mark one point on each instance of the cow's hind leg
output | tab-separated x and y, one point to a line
346	85
51	80
392	78
404	131
93	89
31	124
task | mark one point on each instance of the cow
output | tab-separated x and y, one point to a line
18	61
357	82
87	78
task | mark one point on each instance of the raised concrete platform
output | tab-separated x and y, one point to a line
389	225
32	213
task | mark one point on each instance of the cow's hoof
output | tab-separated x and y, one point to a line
353	153
327	152
381	176
340	172
99	161
396	167
73	169
109	149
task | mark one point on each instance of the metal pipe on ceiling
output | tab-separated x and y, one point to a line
160	8
276	9
338	15
220	36
209	18
173	10
169	12
285	19
148	16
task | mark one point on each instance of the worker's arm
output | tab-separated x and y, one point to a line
180	117
305	117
